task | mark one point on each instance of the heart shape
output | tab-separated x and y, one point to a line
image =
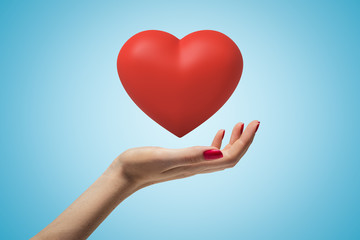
180	83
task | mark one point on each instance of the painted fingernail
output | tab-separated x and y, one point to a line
223	135
257	127
212	154
242	129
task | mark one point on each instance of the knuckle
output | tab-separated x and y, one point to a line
242	143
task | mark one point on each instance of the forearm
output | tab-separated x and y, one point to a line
86	213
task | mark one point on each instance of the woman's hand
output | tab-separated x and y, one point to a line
144	166
139	167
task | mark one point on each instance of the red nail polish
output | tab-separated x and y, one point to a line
223	135
257	127
212	154
242	129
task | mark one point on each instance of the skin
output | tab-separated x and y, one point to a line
137	168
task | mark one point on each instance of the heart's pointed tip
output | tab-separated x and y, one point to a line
178	134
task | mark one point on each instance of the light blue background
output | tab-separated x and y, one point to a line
65	117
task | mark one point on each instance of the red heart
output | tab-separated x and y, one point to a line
180	83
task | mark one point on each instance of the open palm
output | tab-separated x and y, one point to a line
148	165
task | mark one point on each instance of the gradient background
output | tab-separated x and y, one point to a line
65	117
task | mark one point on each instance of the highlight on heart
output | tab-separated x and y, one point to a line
180	83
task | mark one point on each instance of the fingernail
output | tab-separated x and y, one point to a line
212	154
257	127
223	135
242	129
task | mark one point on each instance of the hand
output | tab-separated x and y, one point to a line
144	166
139	167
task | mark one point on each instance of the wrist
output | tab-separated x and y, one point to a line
117	177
